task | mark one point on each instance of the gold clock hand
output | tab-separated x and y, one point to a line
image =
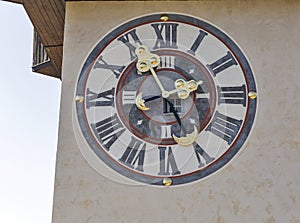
147	61
188	139
140	101
183	88
164	93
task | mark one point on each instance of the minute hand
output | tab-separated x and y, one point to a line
148	61
182	88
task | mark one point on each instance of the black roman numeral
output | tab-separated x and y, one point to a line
108	130
105	98
224	127
135	152
166	35
197	42
232	95
126	40
101	63
222	63
167	161
201	153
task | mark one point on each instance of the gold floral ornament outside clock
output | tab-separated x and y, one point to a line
165	100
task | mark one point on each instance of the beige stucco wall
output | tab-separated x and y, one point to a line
261	184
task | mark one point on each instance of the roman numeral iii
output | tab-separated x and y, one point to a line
232	95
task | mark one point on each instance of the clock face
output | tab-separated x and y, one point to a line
165	99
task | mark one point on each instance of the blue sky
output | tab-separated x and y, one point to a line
29	124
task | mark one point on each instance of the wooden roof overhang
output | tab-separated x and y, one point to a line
48	18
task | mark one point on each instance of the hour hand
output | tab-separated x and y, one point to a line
140	101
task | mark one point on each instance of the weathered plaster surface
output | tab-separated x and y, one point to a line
260	185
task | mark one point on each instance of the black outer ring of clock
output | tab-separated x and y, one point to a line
182	179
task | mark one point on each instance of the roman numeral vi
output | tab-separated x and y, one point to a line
167	161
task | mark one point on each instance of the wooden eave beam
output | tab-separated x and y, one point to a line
48	18
15	1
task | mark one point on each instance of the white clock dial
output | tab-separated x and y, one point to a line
165	101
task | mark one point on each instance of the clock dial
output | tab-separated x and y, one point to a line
163	100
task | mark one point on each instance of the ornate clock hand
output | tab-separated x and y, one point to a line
140	101
147	61
183	88
189	138
164	93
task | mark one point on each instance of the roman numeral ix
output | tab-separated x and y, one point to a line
105	98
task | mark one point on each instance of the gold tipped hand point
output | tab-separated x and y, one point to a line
140	102
188	139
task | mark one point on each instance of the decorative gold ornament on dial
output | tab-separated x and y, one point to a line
187	140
